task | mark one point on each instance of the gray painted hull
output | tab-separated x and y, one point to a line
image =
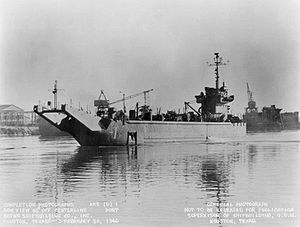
86	130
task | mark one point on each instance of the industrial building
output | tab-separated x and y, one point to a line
12	115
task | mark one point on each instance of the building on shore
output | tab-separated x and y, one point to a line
12	115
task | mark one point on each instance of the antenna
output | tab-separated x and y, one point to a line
218	61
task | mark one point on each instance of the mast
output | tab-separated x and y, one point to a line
55	95
218	61
54	91
124	106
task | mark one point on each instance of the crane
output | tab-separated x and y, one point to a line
103	104
251	102
249	93
132	96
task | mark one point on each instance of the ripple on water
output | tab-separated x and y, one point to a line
155	181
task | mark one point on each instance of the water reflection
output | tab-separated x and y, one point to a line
63	174
175	174
205	167
154	183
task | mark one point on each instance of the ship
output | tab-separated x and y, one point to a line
46	129
269	119
111	127
290	120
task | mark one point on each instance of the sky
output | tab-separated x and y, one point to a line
128	46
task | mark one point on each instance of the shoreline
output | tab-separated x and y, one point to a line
19	130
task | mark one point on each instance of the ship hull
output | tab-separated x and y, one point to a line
290	120
87	130
256	123
46	129
263	127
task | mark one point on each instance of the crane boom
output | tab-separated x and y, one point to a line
131	96
251	103
249	93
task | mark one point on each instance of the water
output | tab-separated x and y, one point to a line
171	184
